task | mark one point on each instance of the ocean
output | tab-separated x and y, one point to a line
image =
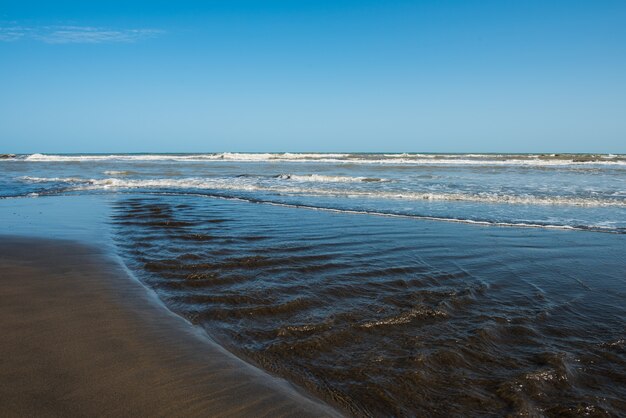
384	284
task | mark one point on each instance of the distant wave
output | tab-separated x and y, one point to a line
119	172
247	184
241	157
327	179
407	159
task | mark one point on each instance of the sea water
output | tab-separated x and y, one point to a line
386	284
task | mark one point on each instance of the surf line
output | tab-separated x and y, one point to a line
396	215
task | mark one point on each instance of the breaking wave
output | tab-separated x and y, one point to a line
404	158
247	184
327	179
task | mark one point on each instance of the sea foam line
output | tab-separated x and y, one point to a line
246	184
406	216
328	179
585	228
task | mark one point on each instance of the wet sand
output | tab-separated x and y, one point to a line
82	338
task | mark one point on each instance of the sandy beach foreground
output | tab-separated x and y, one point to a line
82	338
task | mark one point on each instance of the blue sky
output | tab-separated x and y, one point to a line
429	76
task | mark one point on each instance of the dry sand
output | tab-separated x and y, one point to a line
79	337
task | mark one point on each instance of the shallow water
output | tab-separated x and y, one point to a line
394	317
380	315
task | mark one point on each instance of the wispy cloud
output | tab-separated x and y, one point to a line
13	33
74	34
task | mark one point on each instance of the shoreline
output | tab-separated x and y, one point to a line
81	337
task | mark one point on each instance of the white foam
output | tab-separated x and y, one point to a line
53	179
326	179
251	184
403	159
241	157
117	173
114	157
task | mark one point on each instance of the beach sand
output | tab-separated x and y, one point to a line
80	337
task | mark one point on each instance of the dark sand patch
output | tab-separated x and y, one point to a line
81	338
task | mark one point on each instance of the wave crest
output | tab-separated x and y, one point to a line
326	179
396	159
